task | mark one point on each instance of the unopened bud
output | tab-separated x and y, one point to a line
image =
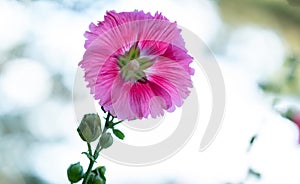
90	127
91	178
75	172
106	140
98	180
101	170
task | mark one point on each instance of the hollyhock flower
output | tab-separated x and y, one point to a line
136	64
294	116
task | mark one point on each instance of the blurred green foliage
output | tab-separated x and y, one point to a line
280	15
286	80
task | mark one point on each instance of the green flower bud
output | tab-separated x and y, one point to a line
98	180
106	140
101	171
91	178
75	172
90	127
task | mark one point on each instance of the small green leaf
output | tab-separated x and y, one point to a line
118	133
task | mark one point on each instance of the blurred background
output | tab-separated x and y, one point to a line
256	43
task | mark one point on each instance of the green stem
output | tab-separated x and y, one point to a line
89	148
88	171
98	148
90	165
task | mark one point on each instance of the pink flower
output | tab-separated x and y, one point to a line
136	64
296	119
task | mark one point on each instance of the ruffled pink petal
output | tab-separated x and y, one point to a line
120	25
152	48
166	71
105	80
146	98
113	19
179	54
120	97
140	94
169	88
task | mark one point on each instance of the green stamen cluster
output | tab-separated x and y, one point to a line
132	65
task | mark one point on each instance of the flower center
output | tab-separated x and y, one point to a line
132	65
